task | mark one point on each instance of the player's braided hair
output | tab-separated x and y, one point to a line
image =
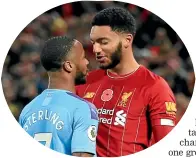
117	18
55	51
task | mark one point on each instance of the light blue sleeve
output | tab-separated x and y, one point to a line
21	120
85	129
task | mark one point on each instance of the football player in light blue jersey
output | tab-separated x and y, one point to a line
57	117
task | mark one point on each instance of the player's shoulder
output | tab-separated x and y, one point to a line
150	77
29	107
83	105
95	75
80	102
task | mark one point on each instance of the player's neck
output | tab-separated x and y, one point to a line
127	65
60	83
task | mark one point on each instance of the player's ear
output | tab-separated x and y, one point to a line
128	39
68	66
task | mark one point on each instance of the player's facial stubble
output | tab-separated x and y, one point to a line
80	78
115	58
81	74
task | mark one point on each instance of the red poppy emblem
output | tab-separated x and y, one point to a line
107	95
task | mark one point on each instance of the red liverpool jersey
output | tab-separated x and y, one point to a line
128	107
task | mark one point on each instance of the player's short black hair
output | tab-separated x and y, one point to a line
119	19
55	52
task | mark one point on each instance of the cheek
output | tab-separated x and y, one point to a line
108	50
82	65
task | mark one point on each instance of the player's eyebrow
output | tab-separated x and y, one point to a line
99	39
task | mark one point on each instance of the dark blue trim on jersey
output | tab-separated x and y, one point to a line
92	108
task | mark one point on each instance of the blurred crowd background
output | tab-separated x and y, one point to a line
156	46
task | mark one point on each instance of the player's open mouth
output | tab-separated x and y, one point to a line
100	59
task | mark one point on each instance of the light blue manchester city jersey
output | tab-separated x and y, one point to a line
61	121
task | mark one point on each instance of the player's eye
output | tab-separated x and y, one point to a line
104	42
92	42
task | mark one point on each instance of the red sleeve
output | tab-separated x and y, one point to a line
160	131
162	108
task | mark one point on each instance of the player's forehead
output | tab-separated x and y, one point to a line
102	32
77	48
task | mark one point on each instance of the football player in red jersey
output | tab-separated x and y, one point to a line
132	101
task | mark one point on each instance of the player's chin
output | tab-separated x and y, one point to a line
104	66
87	72
84	77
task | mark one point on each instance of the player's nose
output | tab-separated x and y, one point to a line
96	48
87	61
